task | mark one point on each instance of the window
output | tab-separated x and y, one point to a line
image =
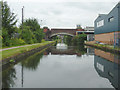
100	23
110	19
100	67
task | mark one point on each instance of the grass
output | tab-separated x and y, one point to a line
17	51
18	45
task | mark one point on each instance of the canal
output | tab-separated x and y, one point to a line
63	66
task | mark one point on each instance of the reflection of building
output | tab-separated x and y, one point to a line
107	27
106	68
90	37
90	51
107	55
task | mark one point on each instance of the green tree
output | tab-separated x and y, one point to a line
68	40
8	23
35	29
75	41
27	35
81	38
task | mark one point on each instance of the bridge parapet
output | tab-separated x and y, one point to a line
71	32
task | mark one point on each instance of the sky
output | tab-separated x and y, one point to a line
62	13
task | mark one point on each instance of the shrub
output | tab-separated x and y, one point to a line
16	42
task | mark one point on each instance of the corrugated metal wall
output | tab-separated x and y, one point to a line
108	26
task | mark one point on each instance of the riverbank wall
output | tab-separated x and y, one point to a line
108	48
16	58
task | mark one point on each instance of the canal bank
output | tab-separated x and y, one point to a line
104	47
12	55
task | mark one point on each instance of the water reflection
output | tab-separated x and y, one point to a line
32	62
8	77
63	49
64	69
108	66
61	46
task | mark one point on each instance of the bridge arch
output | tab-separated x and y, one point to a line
61	33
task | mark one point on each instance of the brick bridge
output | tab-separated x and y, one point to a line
70	32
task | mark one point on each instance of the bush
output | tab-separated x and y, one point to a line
27	35
16	42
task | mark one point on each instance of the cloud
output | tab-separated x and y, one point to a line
61	13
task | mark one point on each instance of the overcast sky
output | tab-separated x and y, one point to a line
62	13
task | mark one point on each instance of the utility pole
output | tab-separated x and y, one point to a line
22	63
22	16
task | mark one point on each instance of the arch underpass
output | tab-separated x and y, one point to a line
70	32
62	33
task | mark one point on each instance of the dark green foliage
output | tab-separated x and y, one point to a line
16	42
27	35
29	32
8	23
68	40
55	38
32	62
8	19
5	37
35	32
8	77
39	35
32	23
76	40
81	38
81	49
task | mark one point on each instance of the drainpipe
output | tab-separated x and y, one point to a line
114	39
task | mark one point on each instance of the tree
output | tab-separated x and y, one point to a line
8	23
68	40
81	39
27	35
8	18
34	27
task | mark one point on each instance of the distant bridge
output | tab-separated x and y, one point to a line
62	33
70	32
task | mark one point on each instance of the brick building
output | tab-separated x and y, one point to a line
107	27
47	33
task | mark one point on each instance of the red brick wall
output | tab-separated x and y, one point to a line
107	38
70	31
45	30
107	55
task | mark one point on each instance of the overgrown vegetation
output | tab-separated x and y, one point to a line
27	33
76	40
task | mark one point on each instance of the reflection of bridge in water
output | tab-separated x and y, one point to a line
67	51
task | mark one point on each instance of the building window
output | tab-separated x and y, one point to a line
110	19
100	23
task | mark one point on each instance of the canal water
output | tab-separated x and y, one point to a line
63	66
